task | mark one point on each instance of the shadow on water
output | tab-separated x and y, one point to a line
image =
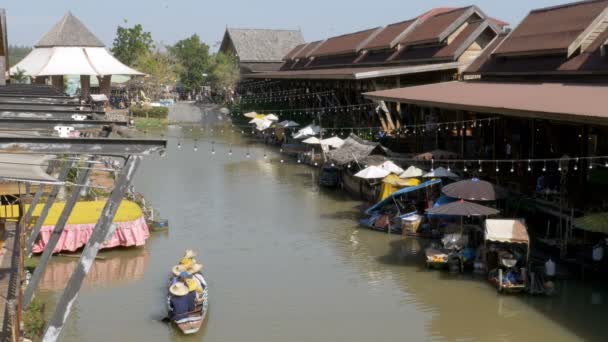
579	307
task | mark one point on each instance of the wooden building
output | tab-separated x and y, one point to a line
545	83
433	47
259	50
4	62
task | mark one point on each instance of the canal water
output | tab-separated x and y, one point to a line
286	261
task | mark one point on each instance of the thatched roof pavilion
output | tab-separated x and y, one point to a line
70	48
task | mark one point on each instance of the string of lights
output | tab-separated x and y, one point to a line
276	93
313	110
548	164
283	98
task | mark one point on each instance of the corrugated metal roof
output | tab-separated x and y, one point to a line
261	45
71	32
551	29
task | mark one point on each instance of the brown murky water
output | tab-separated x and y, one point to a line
287	262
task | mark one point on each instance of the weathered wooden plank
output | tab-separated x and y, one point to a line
102	231
90	146
47	207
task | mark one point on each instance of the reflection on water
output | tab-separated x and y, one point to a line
115	269
286	261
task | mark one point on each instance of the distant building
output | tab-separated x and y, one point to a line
3	48
70	48
260	50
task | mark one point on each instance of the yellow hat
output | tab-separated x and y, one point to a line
189	254
178	289
177	270
195	268
187	262
192	285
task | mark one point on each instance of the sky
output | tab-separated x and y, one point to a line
170	21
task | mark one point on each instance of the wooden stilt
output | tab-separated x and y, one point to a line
47	206
102	231
54	239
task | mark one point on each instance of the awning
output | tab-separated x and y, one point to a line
507	231
595	223
25	168
350	73
401	193
557	101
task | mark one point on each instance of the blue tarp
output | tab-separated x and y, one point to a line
401	193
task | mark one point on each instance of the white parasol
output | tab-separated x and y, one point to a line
392	167
373	172
440	172
334	142
412	172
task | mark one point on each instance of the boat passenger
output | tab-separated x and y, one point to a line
182	301
188	259
178	272
195	270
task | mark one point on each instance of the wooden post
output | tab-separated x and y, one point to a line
85	86
54	239
57	82
47	206
101	232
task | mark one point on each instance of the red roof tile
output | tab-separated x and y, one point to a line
294	51
307	50
450	49
551	29
384	39
432	27
348	43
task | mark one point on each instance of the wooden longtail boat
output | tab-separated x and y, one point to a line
190	323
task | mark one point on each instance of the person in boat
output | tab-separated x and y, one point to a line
182	301
188	260
196	270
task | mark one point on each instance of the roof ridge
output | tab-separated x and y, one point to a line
351	33
262	29
451	11
568	5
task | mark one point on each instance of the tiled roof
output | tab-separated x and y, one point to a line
551	29
69	31
431	28
384	39
348	43
260	45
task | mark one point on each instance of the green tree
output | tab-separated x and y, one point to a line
17	53
131	43
193	56
225	72
19	76
161	70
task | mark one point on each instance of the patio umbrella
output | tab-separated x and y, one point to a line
372	172
462	208
474	190
263	124
250	115
412	172
392	168
334	142
312	141
289	124
440	172
307	131
272	117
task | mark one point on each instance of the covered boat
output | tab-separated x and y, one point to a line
507	252
131	227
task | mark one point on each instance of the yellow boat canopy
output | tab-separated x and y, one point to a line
83	213
393	183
